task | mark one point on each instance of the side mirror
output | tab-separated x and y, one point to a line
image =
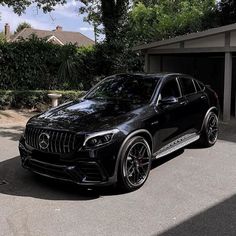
168	101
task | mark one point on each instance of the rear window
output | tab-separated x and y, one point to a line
187	86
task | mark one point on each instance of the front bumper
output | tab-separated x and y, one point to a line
87	168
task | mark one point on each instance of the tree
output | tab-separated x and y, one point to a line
2	38
227	11
22	26
111	14
20	6
168	18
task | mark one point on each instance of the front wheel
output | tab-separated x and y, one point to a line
135	164
210	130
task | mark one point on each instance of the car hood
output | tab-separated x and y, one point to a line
87	115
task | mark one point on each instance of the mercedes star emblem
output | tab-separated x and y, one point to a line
44	140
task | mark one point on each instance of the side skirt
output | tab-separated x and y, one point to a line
176	145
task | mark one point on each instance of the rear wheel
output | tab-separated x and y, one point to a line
210	130
135	164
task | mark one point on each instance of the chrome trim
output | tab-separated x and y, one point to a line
194	86
64	143
60	141
44	138
180	91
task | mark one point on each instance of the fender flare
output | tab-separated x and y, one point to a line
132	134
207	113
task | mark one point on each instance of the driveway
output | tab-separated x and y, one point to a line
192	192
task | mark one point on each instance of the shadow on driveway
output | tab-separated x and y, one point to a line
217	220
12	132
16	181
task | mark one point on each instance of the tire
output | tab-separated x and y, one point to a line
135	164
210	130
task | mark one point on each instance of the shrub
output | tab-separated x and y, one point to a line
38	65
35	64
33	99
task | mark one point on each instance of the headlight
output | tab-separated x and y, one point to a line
99	138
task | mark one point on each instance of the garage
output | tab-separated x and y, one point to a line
209	56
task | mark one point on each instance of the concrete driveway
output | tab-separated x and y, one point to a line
192	192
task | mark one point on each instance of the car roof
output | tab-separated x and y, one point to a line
151	75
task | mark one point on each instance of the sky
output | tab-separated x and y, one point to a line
65	16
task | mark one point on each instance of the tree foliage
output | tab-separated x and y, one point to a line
227	11
20	6
2	37
22	26
168	18
38	64
110	14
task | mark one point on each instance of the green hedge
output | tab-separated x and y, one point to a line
33	99
38	65
35	64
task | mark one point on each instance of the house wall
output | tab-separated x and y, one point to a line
206	42
233	39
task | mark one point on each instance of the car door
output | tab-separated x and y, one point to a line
196	103
169	120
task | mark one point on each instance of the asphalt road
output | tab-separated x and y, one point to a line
192	192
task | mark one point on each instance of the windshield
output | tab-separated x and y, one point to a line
132	88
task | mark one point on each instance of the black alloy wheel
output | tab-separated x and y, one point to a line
135	164
211	130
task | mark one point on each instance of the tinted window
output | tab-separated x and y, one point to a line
170	89
133	88
187	86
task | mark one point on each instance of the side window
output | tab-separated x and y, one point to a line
170	89
187	86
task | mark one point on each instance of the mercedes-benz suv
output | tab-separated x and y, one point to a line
112	134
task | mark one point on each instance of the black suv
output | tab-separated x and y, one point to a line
113	133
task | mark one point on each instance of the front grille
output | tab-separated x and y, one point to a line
59	141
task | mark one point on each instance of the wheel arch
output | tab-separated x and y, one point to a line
140	132
211	109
